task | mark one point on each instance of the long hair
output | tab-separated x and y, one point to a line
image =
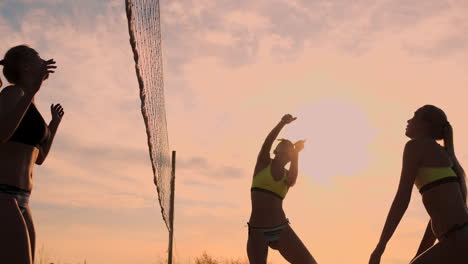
449	146
441	129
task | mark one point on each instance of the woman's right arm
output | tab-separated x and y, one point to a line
13	105
15	102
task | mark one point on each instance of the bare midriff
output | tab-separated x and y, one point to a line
446	207
267	210
16	164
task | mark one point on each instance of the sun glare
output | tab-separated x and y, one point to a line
338	135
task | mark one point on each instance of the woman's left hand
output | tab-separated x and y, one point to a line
57	112
299	145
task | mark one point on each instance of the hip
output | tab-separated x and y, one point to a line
19	195
267	217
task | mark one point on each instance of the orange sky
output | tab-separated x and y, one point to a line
352	74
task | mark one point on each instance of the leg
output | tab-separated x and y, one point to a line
257	247
292	248
31	231
453	250
14	237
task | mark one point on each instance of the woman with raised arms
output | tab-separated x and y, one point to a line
25	140
268	225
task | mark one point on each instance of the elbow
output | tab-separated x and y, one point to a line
291	182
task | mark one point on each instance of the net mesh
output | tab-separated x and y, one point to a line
145	38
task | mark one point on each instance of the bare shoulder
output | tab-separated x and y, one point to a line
10	95
416	150
417	144
11	91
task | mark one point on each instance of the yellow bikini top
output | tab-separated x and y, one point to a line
265	182
429	177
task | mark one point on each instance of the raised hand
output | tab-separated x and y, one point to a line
36	73
49	67
287	119
57	112
299	145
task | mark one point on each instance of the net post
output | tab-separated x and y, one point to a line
171	209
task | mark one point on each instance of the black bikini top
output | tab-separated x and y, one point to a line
32	130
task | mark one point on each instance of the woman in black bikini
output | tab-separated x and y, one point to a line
25	140
441	181
268	225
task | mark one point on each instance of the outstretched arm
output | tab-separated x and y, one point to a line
264	155
402	198
57	114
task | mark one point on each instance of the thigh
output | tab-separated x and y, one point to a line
453	250
14	237
292	248
257	247
31	231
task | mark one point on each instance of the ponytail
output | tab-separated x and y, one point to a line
449	146
447	136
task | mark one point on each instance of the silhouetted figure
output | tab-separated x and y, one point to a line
25	140
268	225
441	181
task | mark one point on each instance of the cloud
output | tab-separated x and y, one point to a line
99	157
356	69
355	28
193	163
205	203
199	184
202	166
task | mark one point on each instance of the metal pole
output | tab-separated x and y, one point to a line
171	210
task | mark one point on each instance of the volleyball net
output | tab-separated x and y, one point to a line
145	38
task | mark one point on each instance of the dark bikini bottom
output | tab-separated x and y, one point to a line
463	227
271	234
21	196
